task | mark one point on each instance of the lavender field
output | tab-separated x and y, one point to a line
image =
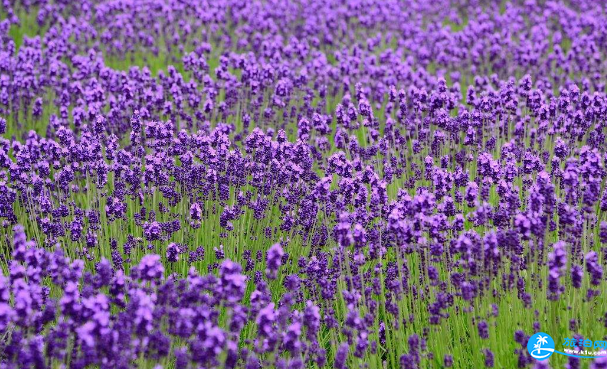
337	184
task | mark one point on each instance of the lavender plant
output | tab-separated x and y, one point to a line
336	184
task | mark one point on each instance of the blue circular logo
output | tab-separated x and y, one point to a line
540	346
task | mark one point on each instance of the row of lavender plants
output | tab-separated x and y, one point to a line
339	184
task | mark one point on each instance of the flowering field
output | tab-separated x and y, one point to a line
301	184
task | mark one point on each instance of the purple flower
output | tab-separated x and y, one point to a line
557	261
152	231
594	268
577	274
489	358
172	253
265	320
233	283
274	260
150	268
341	356
599	363
483	329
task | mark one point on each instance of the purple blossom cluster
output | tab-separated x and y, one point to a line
299	184
157	316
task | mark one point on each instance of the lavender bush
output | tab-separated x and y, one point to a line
335	184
